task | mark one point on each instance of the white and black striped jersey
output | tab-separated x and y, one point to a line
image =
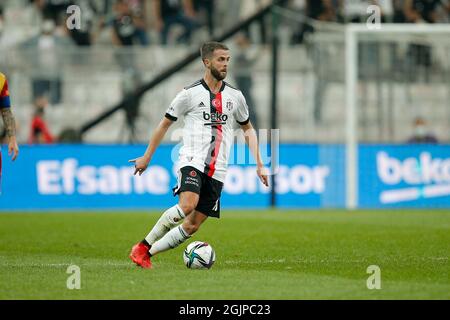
208	125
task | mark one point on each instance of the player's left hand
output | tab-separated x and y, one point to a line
13	148
262	174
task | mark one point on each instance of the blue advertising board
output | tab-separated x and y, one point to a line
307	176
404	176
100	177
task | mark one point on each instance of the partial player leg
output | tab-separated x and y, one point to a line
193	222
208	205
187	203
180	234
188	188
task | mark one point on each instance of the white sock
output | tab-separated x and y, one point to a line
171	240
169	219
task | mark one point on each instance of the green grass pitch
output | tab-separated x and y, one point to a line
260	255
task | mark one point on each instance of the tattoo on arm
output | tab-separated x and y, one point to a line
9	121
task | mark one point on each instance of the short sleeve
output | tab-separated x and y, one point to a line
241	114
4	94
178	106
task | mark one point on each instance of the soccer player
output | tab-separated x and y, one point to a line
8	120
209	106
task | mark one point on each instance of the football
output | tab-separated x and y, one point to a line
199	255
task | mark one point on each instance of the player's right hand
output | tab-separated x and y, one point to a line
140	165
263	175
13	148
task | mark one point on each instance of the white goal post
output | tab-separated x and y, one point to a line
352	34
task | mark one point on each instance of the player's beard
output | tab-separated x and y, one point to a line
217	74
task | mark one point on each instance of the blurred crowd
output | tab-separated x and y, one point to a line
356	11
144	22
124	23
131	22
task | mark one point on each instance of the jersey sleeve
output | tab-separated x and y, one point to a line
4	93
241	114
178	107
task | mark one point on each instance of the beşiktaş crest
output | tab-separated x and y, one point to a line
229	105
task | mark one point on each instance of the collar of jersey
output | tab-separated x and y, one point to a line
203	82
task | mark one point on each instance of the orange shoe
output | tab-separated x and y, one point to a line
140	255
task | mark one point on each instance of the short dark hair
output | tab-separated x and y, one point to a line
208	49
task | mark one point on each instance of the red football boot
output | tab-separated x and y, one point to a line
139	255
